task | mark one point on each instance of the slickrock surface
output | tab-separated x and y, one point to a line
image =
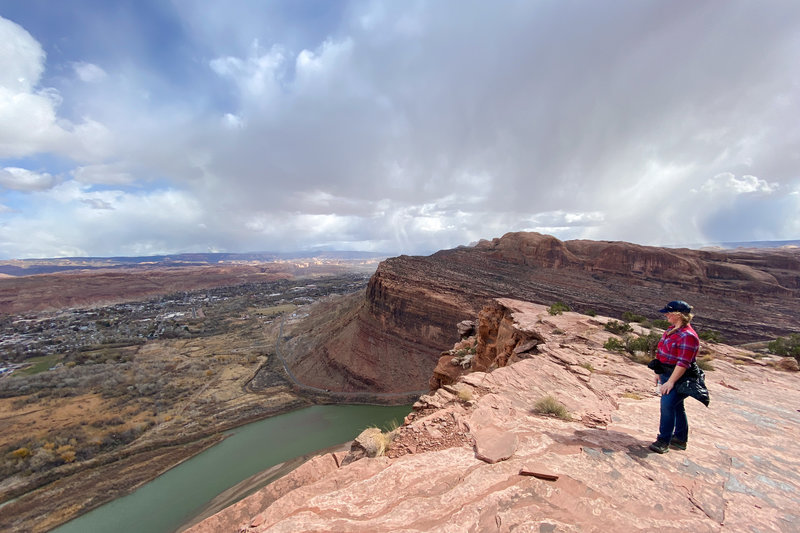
390	339
467	458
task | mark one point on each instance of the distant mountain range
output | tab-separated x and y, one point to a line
746	244
27	267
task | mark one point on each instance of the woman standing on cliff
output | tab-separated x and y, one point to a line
676	352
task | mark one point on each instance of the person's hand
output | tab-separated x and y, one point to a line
656	380
666	387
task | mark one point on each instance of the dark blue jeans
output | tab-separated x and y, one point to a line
674	423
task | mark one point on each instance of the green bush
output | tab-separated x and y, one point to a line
660	323
590	312
636	348
646	344
786	346
627	316
558	308
617	328
711	336
614	344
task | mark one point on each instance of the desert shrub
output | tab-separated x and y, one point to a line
558	308
42	459
590	312
617	328
711	336
114	421
552	407
66	453
587	366
705	364
21	453
628	316
644	343
659	323
786	346
613	344
636	348
465	394
382	438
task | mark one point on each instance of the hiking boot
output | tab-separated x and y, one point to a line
659	446
677	444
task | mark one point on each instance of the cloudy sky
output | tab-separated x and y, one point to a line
136	127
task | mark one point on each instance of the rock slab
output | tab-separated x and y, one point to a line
592	472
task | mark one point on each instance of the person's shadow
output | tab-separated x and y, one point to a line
605	441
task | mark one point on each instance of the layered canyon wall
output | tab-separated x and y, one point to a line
391	338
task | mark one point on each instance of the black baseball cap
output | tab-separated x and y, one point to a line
677	306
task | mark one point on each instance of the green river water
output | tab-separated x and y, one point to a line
167	502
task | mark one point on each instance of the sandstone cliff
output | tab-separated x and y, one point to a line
483	454
390	339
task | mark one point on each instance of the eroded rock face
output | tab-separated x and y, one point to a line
479	455
394	336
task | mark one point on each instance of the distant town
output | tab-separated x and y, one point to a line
180	315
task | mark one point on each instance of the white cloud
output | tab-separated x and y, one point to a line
75	221
319	67
89	72
564	219
21	56
726	182
29	123
232	121
106	174
20	179
258	76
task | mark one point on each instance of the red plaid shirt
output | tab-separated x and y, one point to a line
678	346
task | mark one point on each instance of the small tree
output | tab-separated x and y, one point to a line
558	308
613	344
617	328
786	346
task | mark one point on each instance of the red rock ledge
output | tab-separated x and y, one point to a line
475	455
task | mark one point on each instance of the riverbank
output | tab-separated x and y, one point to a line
248	457
256	482
79	493
39	505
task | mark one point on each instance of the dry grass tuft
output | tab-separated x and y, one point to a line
705	363
551	407
633	396
465	394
